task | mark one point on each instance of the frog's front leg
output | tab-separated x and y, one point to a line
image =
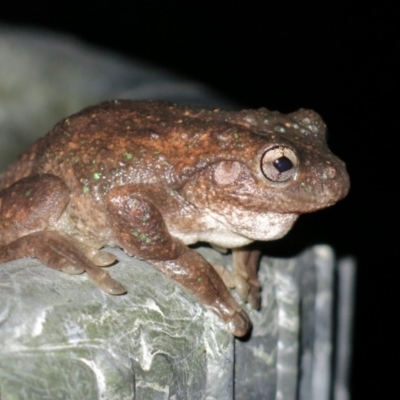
28	209
140	230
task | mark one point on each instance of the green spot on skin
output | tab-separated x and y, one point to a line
144	238
156	152
279	129
135	233
235	135
86	189
96	175
307	188
28	192
93	161
199	280
128	155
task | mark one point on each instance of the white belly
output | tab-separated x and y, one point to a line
236	228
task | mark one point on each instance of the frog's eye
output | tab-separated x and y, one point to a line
278	164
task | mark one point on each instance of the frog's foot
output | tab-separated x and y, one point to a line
64	254
200	278
91	248
247	289
226	275
244	277
245	264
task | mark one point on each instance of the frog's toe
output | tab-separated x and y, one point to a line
104	281
72	269
254	297
248	291
239	324
225	275
112	286
242	287
103	258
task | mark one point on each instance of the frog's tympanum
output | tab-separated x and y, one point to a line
154	177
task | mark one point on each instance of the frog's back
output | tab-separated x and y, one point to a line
125	141
101	137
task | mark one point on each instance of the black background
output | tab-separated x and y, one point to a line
338	59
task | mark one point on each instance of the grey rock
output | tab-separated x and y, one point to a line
345	316
61	337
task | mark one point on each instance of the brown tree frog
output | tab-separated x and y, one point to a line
152	178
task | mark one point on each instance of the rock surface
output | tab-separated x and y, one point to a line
61	337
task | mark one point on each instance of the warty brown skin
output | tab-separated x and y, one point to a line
153	177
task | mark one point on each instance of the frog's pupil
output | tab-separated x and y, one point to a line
283	164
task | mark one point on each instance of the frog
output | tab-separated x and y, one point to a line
154	178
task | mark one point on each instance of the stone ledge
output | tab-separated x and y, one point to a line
61	336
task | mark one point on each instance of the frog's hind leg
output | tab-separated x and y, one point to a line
61	253
27	210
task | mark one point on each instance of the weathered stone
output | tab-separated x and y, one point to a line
61	337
